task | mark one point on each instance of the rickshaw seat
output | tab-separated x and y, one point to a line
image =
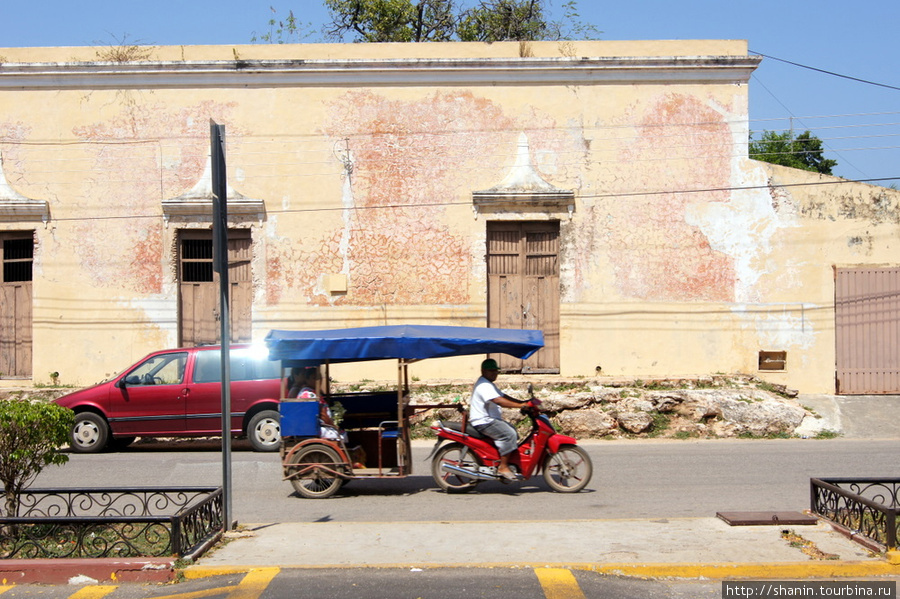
386	432
366	409
457	426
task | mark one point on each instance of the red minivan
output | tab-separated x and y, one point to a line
177	393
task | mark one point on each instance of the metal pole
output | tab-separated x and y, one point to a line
220	265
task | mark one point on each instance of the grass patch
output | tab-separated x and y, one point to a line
660	424
779	390
776	435
563	387
113	540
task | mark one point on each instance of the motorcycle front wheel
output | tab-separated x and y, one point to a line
568	470
455	454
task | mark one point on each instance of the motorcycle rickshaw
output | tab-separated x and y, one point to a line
376	421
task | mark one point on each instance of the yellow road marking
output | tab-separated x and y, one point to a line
199	594
96	591
558	583
6	587
250	587
254	583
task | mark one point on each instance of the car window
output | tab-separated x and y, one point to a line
241	365
208	366
162	369
266	368
246	365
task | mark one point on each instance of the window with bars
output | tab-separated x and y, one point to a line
197	260
18	258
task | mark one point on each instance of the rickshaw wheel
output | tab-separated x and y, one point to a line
316	483
454	454
568	470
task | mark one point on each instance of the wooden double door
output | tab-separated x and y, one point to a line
199	313
17	258
523	287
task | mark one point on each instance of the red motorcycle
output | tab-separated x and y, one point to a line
471	457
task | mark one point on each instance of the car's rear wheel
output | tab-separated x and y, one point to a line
264	431
89	434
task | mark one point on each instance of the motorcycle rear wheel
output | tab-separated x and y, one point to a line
568	470
455	454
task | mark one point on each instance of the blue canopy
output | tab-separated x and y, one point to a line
409	342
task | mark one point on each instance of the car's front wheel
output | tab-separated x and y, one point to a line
89	434
264	431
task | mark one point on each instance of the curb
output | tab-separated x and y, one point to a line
750	571
63	571
711	571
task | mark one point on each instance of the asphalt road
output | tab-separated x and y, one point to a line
632	479
392	583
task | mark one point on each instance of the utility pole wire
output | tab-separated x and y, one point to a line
832	73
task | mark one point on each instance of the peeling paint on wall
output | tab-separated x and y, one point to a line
130	253
11	133
780	327
175	167
410	159
655	251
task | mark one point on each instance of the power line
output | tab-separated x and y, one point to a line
832	73
624	194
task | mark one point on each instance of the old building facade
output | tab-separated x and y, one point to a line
599	191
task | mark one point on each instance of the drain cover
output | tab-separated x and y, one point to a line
766	518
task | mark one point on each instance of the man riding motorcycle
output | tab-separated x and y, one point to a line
486	417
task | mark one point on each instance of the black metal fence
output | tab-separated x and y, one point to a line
126	522
864	506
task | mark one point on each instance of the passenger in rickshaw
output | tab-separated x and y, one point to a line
305	384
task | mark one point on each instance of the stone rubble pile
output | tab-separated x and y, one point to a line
735	407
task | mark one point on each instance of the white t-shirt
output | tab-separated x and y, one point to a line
481	409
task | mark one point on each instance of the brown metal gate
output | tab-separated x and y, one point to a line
199	288
867	330
523	287
17	256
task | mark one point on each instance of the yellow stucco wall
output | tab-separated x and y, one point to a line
681	255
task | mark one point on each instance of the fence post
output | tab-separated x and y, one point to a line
891	533
176	535
812	495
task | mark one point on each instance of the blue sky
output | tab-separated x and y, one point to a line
859	123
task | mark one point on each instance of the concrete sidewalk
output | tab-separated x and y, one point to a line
678	548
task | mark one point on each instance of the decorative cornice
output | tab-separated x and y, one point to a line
375	72
198	201
16	207
523	187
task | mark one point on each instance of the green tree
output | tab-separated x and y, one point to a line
390	20
500	20
448	20
31	434
803	152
